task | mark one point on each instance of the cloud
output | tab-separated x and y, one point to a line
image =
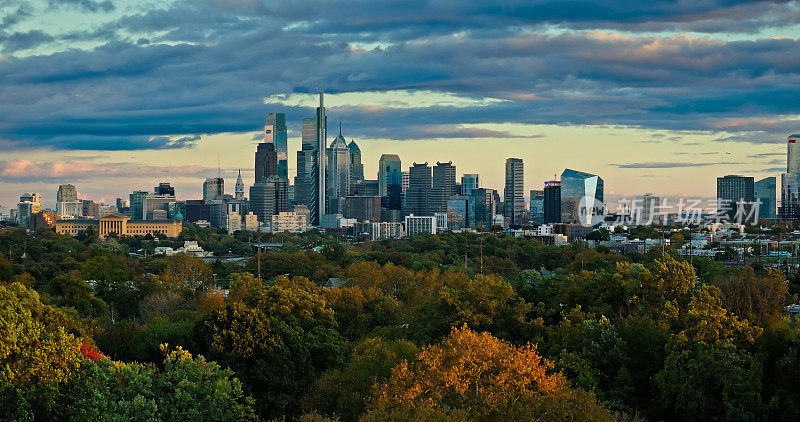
202	69
667	165
24	170
84	5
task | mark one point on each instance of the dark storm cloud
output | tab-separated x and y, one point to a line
204	67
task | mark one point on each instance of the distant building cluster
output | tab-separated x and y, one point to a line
330	192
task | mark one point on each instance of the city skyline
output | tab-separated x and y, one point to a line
132	90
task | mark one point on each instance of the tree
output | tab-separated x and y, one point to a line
345	392
278	339
478	377
184	273
761	299
35	345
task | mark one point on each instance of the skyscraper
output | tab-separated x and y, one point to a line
790	181
213	188
552	202
734	194
311	163
537	206
483	200
67	202
338	180
444	186
419	190
469	181
275	132
581	196
765	193
164	189
514	194
390	181
29	203
356	167
266	161
268	197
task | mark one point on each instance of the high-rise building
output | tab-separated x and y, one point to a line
765	193
213	188
338	181
581	196
390	181
734	195
537	206
416	224
460	211
137	204
164	188
469	182
29	203
552	202
444	186
790	181
66	193
366	188
67	203
311	163
268	197
239	192
362	208
648	214
275	133
514	194
266	161
484	200
356	167
418	194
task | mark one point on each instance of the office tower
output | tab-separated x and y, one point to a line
122	205
537	206
338	182
29	203
484	203
790	181
266	161
418	194
239	192
311	163
765	194
469	182
367	188
137	204
164	189
66	193
460	212
405	178
362	208
648	210
793	154
213	188
734	193
514	193
268	197
552	202
196	210
275	133
356	167
390	181
152	205
90	209
444	186
581	196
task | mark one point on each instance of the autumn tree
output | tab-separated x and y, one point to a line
475	376
761	299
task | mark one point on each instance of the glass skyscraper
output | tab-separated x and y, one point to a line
276	133
390	181
514	195
581	196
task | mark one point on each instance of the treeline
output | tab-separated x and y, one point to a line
391	330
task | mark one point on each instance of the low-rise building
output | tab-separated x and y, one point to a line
415	224
121	225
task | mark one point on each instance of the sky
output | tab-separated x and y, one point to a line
653	96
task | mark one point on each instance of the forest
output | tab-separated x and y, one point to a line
449	327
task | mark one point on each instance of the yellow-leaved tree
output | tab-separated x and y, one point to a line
475	376
35	346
